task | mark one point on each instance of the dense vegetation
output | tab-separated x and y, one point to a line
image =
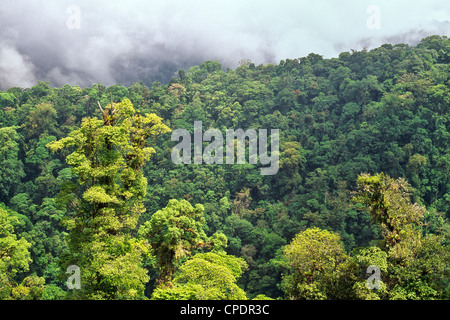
364	179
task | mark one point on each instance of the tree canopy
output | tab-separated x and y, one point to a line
362	190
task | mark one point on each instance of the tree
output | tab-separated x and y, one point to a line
206	276
366	257
174	232
42	120
242	202
389	205
11	169
14	258
47	239
7	99
319	266
417	265
107	158
292	162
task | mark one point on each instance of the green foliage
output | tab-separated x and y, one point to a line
15	258
14	252
107	159
365	257
174	232
318	264
11	170
389	204
206	276
375	111
411	262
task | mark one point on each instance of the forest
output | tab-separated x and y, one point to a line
93	207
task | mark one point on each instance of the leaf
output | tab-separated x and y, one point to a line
98	194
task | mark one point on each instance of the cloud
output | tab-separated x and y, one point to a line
15	68
108	41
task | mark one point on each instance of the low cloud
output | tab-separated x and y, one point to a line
86	42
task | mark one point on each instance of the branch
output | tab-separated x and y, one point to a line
101	109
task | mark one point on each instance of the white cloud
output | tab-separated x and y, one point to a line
129	41
15	68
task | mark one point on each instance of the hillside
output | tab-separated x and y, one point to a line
380	111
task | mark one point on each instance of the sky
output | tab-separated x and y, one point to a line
83	42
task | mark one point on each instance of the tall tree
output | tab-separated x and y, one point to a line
417	264
107	157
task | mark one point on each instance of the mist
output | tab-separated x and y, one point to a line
80	42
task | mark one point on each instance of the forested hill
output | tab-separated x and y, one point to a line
380	111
